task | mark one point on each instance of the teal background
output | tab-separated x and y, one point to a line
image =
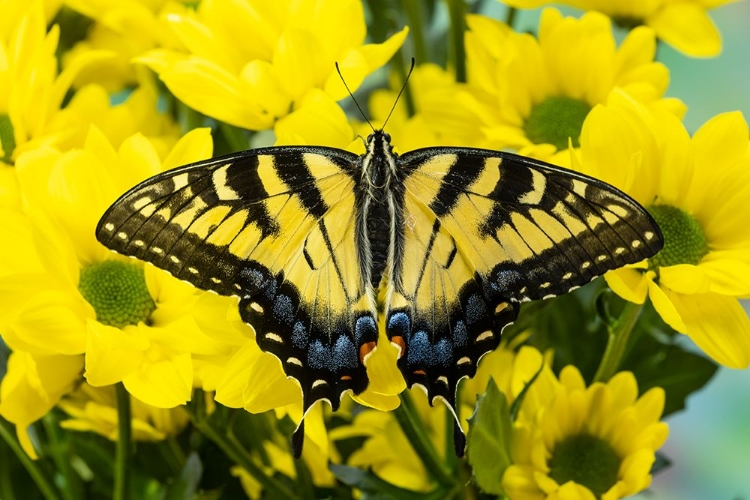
709	442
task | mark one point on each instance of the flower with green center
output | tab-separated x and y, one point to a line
66	298
698	190
250	63
685	25
533	94
118	292
572	441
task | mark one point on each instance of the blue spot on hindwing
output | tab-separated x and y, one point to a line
443	352
460	334
365	327
475	309
399	323
318	356
283	309
299	335
420	349
344	354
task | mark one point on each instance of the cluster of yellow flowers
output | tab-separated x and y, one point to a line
79	318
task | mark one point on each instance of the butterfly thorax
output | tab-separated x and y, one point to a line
379	197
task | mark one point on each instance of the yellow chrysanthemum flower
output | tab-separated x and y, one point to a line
95	409
697	190
248	63
62	294
585	443
91	105
127	29
31	90
387	451
442	110
535	93
684	24
33	385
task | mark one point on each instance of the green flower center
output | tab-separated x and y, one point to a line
684	239
554	120
7	138
587	460
118	292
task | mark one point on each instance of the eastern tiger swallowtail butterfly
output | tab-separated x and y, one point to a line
440	244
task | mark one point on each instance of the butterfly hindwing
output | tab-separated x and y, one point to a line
485	231
274	227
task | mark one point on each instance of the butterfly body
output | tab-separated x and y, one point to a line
438	245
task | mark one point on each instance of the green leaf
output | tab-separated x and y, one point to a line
375	488
489	439
186	485
677	371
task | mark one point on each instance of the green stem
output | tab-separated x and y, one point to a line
510	17
200	419
413	427
235	136
124	443
413	13
43	482
71	487
619	335
457	13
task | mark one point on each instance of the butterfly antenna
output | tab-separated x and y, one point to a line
352	96
403	87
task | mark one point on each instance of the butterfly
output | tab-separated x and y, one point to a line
321	245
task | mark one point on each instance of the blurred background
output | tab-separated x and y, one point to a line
709	442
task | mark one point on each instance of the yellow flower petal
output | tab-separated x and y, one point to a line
718	325
687	27
112	353
53	322
685	278
572	491
665	307
317	120
518	482
727	276
630	284
165	382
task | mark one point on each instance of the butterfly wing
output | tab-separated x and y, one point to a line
484	231
274	227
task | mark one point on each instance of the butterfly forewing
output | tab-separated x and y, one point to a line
485	231
274	227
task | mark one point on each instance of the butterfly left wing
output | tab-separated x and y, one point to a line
484	231
276	228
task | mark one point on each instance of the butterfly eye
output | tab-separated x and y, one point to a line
370	137
387	137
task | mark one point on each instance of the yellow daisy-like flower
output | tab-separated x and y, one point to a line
248	63
33	385
683	24
127	29
31	90
698	190
63	295
387	451
574	442
442	109
95	409
91	105
536	93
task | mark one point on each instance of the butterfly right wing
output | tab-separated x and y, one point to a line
274	227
